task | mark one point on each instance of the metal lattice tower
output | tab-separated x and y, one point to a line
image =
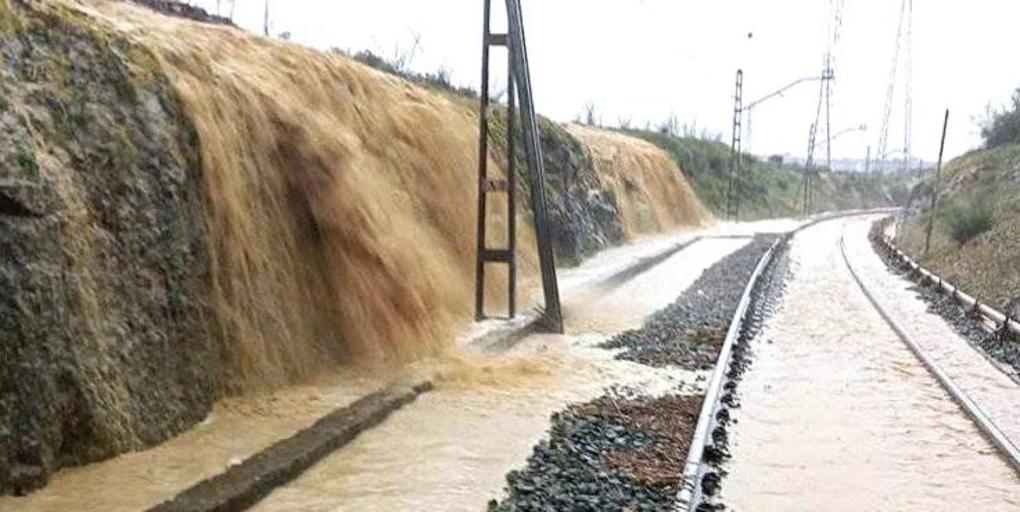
909	113
824	100
890	93
736	151
518	87
806	199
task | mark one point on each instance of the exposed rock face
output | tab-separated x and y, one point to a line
583	213
101	257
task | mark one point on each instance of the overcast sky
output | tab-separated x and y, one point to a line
645	59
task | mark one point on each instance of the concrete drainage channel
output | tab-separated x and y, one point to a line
245	484
506	336
993	319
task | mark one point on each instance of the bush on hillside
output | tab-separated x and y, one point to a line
1002	127
966	221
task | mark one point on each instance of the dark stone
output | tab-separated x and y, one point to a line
102	256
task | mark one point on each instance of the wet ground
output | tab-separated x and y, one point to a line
626	449
836	412
451	449
441	449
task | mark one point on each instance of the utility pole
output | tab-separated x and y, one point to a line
828	112
806	200
736	152
935	187
265	21
520	107
864	182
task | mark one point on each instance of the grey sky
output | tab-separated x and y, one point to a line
644	59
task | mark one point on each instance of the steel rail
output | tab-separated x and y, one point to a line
981	419
689	495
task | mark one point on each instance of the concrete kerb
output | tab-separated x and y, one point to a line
245	484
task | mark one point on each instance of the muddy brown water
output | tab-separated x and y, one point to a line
838	414
451	449
448	451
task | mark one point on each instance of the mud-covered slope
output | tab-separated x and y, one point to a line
187	211
103	340
651	192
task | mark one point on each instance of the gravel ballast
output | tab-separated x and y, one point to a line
996	346
765	297
690	332
613	453
624	450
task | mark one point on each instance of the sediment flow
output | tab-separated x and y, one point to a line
214	213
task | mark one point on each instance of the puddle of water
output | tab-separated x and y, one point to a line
837	414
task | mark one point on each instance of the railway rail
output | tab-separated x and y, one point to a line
983	421
708	436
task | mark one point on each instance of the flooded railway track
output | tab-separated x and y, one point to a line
1009	450
834	413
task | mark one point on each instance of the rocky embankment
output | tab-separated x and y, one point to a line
626	450
102	284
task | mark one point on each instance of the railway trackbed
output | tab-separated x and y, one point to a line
1009	450
816	405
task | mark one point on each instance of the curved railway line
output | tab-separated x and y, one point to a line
711	444
1010	451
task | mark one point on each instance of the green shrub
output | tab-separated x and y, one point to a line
27	161
964	222
1002	127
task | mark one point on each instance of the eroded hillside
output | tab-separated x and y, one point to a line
191	211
